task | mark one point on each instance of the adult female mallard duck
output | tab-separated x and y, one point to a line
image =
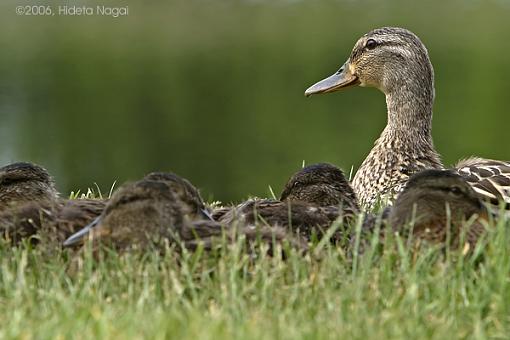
312	199
30	203
159	209
395	61
436	206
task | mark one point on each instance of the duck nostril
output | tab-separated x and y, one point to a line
340	70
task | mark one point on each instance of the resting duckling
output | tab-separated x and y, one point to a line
21	183
160	209
322	184
396	62
311	201
437	206
30	203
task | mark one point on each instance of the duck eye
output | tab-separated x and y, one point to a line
371	44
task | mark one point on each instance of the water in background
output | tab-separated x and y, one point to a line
213	90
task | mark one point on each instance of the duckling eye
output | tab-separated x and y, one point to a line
10	181
371	44
456	191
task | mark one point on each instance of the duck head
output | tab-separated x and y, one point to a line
386	58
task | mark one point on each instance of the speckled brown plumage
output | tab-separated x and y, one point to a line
395	61
312	199
322	184
434	207
434	197
158	210
305	218
489	178
210	234
51	222
141	214
30	206
25	182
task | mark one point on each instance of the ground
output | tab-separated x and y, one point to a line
324	294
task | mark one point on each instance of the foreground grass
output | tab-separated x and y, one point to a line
394	294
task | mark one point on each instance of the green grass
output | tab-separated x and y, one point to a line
390	294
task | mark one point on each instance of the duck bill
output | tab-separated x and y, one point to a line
84	234
343	78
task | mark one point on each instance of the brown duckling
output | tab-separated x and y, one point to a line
431	200
434	206
30	203
189	194
322	184
25	182
395	61
208	234
311	201
159	209
142	213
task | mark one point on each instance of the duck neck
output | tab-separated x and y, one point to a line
404	147
410	113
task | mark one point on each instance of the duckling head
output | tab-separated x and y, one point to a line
386	58
432	198
25	182
321	184
186	192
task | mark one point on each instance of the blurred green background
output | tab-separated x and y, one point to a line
213	90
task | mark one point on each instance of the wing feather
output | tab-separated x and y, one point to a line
490	178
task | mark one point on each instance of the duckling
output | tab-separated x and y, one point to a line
159	209
312	199
50	222
190	195
431	198
141	214
25	182
395	61
322	184
209	234
434	206
30	204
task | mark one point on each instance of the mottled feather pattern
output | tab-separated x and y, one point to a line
490	178
429	211
389	165
302	217
400	67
